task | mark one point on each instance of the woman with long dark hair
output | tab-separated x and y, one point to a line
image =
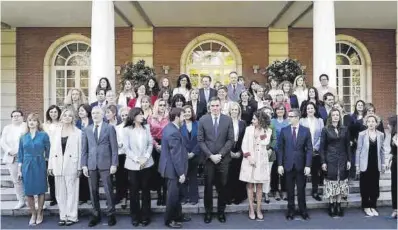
152	89
127	93
178	101
138	146
313	96
104	84
183	86
355	127
335	155
253	86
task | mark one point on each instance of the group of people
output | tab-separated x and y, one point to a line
253	142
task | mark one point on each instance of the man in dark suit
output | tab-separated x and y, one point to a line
216	138
206	92
101	102
100	159
234	89
173	165
294	156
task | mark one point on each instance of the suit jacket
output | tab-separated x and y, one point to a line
335	152
133	153
362	153
294	104
290	154
202	97
173	160
237	147
211	144
94	104
101	155
201	109
65	164
235	96
79	124
316	137
191	144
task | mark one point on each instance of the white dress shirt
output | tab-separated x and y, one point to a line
99	129
297	128
236	129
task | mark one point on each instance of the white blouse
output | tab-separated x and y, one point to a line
236	129
302	95
183	91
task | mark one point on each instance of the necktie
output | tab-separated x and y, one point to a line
234	89
294	135
215	126
96	133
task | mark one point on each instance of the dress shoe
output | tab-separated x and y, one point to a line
339	210
277	196
111	220
53	202
208	218
221	217
32	221
331	210
266	198
374	211
145	223
316	196
368	212
70	223
94	221
290	215
61	223
284	196
305	216
40	217
174	224
135	222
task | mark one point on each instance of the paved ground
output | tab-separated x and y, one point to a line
353	219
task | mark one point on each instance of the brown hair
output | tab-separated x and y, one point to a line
193	117
34	116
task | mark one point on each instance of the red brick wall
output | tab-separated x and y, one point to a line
169	43
382	49
32	45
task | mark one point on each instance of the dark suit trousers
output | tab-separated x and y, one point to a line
94	190
296	178
369	188
235	187
190	187
316	173
216	174
139	180
84	189
122	181
51	184
173	201
394	182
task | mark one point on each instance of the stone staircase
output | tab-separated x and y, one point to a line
8	199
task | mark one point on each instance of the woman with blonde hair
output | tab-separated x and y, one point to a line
64	165
222	93
300	89
255	168
280	98
291	98
370	161
146	106
74	99
127	93
34	148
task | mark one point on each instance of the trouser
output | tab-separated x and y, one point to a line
315	173
369	186
296	178
139	180
67	194
235	187
94	190
394	182
190	187
122	180
216	174
173	201
84	189
277	181
51	184
267	186
18	186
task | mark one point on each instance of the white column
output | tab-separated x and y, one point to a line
102	44
324	40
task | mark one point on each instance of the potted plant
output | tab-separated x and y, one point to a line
139	73
286	70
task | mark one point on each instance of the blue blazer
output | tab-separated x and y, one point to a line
294	101
290	154
173	160
191	144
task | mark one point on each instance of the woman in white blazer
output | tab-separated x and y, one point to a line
369	163
311	119
138	145
255	168
64	165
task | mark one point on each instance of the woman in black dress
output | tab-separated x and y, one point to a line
335	157
237	189
392	124
369	163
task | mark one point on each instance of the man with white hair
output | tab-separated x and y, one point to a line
100	159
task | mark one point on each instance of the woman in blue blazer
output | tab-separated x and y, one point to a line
312	120
189	132
236	187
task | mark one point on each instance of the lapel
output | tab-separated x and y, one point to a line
366	141
71	139
300	134
102	132
241	126
378	142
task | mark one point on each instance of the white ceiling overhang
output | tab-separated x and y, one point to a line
279	14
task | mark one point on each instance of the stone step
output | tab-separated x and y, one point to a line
353	201
8	194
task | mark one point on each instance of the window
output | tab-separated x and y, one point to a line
350	72
211	58
71	69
